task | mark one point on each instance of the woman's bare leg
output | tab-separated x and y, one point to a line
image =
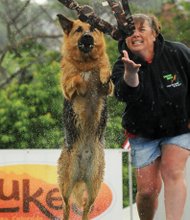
172	170
148	188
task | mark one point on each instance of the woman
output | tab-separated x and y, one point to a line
152	76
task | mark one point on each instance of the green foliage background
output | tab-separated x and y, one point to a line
31	110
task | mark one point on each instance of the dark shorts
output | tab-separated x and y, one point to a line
145	151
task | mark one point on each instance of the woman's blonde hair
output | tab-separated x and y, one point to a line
152	20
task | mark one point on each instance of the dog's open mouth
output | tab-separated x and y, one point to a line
86	43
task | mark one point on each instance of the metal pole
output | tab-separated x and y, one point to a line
130	184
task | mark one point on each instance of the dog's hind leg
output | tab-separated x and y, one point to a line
66	209
92	194
66	192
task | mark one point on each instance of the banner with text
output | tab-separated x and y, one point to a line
29	190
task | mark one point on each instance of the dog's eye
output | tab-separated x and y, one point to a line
79	29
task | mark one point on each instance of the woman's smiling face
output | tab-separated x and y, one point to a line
142	40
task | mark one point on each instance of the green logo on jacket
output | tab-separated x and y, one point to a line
169	77
171	80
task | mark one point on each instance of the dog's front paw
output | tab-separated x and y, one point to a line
74	86
110	88
104	76
80	85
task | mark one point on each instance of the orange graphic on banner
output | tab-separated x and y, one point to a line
30	192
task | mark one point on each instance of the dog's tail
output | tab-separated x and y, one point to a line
80	195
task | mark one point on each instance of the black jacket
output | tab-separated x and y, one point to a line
160	105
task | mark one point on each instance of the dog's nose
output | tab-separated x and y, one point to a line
86	43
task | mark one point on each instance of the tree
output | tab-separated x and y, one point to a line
22	23
31	112
175	22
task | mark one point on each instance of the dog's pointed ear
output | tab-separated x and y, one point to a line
66	23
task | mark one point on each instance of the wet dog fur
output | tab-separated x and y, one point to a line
86	84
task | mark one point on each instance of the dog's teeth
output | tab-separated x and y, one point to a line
81	45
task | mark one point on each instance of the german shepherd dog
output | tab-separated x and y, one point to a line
86	84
